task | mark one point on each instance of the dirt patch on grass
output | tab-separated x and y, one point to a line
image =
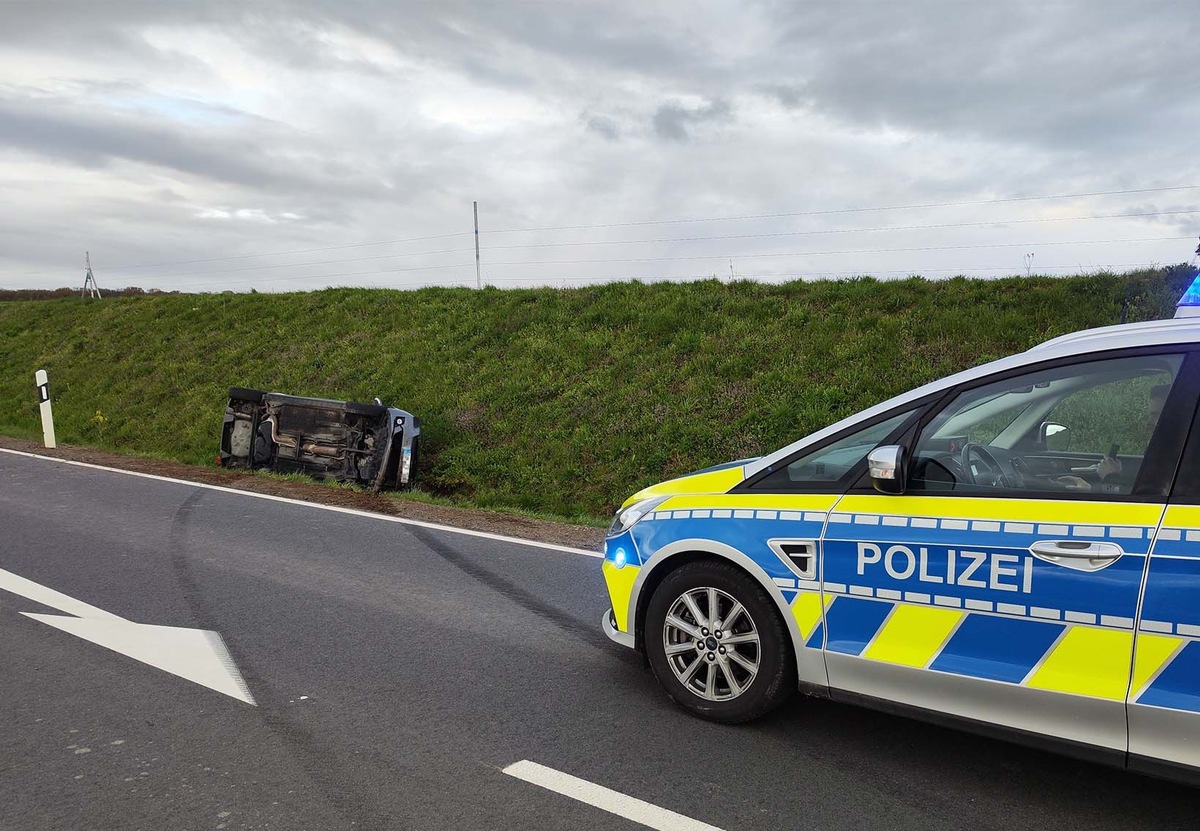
576	536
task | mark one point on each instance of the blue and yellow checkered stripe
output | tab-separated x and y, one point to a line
1058	656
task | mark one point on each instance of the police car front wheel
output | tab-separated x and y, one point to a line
717	644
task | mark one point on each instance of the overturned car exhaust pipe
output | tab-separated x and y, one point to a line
365	444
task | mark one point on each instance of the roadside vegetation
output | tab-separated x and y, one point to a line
555	401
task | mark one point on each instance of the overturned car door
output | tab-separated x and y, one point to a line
365	444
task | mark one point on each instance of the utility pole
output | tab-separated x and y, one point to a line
478	281
89	281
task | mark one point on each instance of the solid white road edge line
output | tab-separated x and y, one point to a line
335	508
598	796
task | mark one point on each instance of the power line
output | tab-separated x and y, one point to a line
611	278
819	274
844	251
465	282
917	272
848	210
278	253
831	212
721	256
321	276
846	230
740	256
315	262
299	251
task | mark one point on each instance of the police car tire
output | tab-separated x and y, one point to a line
776	678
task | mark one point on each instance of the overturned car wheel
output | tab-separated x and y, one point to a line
369	410
246	394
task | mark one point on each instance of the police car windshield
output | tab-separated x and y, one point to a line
984	420
1003	417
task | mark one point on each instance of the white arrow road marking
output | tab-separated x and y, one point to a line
629	807
198	655
49	597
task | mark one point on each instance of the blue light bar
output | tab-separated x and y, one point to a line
1189	304
1191	297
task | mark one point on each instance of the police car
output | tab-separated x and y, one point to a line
1015	549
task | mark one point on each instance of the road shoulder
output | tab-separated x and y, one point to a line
492	522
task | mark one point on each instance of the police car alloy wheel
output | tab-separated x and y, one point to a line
716	643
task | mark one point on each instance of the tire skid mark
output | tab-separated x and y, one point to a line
585	631
337	782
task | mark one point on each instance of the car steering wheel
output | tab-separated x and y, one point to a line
987	462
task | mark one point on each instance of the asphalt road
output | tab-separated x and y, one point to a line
398	670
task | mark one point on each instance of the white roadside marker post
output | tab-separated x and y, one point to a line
43	388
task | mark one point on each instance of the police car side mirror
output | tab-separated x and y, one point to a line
886	467
1054	437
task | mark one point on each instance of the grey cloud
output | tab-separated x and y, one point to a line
79	28
243	150
71	135
790	96
489	38
504	44
671	121
1072	73
602	126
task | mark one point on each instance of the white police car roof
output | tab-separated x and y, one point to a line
1152	332
1184	329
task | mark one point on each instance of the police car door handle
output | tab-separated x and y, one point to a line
1077	554
1076	549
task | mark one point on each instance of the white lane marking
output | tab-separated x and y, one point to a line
335	508
197	655
598	796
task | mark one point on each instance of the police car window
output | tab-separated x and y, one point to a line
1082	428
833	461
1123	413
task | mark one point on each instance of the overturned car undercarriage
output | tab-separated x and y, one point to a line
365	444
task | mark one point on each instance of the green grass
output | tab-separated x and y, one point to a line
556	402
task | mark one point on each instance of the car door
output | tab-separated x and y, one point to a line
1164	691
998	588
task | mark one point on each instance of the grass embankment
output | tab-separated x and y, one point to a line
555	401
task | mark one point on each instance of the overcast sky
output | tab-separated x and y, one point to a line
223	146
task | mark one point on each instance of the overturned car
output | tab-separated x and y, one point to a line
365	444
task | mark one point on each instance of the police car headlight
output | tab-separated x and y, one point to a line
626	518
